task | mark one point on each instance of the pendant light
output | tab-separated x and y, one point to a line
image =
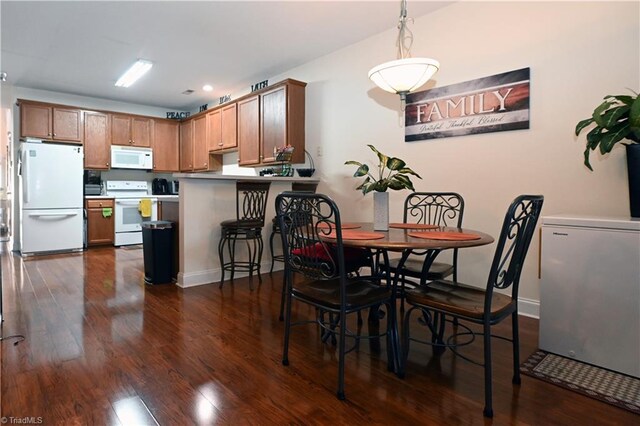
406	74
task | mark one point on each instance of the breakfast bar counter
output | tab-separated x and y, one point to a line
205	201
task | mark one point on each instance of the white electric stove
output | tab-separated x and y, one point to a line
129	196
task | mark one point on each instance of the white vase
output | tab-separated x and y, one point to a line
381	211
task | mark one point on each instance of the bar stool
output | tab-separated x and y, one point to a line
251	204
275	227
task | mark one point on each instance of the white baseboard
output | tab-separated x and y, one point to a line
529	307
193	279
210	276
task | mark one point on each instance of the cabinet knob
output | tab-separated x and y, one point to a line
54	134
107	164
129	140
49	134
220	144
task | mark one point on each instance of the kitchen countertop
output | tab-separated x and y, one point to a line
159	197
211	176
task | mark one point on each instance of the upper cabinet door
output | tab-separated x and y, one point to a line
249	131
130	130
35	121
229	127
141	131
120	130
51	122
214	134
166	146
200	150
186	146
67	124
273	126
97	144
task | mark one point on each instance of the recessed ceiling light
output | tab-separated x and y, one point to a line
136	71
207	87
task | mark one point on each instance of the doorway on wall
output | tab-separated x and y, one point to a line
6	173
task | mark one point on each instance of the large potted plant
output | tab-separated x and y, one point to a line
617	119
392	173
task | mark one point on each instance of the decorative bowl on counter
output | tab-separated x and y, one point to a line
305	172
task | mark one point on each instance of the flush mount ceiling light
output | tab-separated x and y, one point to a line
136	71
207	87
406	74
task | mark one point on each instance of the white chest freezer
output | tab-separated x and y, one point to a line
590	290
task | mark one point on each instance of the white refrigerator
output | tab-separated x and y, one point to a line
51	195
590	290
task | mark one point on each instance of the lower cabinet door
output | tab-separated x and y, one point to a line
100	229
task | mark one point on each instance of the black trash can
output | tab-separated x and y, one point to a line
157	246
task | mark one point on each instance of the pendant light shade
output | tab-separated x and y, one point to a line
405	74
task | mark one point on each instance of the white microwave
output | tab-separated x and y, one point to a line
126	157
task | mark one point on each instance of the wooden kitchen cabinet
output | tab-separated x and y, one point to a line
131	130
166	146
50	122
222	129
249	131
97	141
200	149
186	146
100	229
214	135
194	152
272	119
283	120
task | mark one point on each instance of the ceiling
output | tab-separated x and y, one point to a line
82	47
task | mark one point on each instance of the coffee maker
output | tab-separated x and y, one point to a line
160	186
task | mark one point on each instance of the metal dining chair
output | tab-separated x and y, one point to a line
480	305
316	274
275	228
428	208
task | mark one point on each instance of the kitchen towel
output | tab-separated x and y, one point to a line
144	207
107	212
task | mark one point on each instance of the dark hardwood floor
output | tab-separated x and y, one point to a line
104	348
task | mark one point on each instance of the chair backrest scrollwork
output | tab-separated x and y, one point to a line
513	243
434	208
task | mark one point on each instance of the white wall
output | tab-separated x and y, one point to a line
577	51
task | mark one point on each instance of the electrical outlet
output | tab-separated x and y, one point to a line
319	151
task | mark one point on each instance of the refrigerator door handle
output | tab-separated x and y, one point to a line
24	170
53	214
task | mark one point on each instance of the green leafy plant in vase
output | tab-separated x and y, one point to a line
392	173
617	119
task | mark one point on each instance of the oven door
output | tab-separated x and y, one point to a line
128	217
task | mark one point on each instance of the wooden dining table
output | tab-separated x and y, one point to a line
409	239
